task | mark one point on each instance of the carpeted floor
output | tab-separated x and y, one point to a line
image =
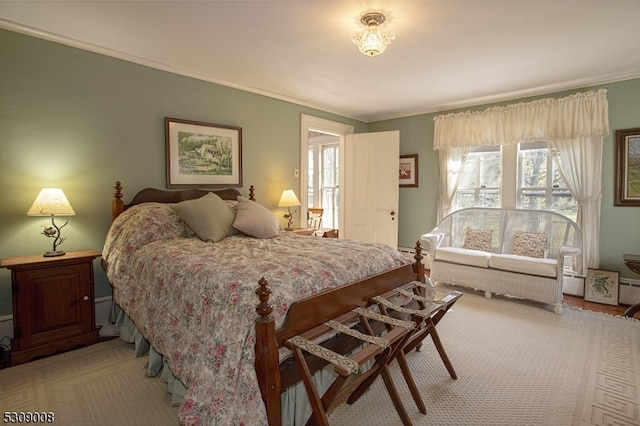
517	364
102	384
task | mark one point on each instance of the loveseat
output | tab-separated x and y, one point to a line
513	252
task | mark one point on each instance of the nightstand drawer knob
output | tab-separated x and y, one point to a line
86	298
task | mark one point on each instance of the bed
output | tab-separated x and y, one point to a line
197	302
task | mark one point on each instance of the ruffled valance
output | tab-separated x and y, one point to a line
578	115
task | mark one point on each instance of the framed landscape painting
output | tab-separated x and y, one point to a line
202	154
627	179
601	286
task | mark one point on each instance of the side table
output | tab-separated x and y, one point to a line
53	303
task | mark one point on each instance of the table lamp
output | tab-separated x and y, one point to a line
52	202
288	200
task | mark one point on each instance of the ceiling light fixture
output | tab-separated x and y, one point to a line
373	40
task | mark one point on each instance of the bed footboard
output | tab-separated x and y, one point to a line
310	312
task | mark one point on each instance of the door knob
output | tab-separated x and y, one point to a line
393	215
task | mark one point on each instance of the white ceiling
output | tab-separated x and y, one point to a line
447	54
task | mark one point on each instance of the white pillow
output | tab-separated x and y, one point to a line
255	220
209	217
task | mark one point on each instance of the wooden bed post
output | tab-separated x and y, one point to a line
418	266
117	205
267	358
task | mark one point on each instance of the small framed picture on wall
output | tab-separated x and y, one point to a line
409	170
627	168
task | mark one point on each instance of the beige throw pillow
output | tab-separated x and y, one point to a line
529	244
477	239
209	217
255	220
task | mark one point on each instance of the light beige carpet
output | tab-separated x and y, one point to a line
102	384
517	364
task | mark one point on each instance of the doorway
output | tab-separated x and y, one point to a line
321	142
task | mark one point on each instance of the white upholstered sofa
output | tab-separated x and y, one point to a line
513	252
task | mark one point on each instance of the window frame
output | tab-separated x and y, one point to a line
549	189
511	177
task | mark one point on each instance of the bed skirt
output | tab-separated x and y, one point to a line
296	409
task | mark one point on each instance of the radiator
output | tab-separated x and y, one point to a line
409	253
629	291
573	285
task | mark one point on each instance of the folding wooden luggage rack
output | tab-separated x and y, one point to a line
349	341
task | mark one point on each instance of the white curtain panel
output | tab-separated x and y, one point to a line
574	127
581	168
451	165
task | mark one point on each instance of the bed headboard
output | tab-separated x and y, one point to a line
148	195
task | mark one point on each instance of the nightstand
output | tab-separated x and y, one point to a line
53	303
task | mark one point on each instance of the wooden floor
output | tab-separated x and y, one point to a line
579	302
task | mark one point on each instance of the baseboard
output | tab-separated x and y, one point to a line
103	310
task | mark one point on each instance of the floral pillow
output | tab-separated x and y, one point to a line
530	244
477	239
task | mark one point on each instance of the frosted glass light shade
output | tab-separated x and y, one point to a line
373	40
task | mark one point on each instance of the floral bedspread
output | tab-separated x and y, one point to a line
195	301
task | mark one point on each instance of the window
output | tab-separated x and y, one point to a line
323	176
480	181
540	185
489	180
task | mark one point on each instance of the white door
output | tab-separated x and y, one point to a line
370	189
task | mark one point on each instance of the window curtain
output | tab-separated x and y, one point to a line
451	163
574	127
580	164
579	115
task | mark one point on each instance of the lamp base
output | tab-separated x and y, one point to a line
54	253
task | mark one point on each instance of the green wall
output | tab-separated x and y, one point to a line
81	121
619	226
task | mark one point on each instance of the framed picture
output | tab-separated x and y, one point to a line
409	170
202	154
627	179
601	286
